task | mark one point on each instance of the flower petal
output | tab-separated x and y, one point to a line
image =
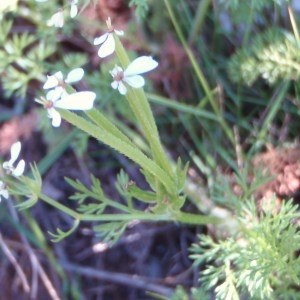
55	94
122	88
74	9
108	47
136	81
74	75
19	170
3	191
14	152
55	116
6	165
101	39
77	101
141	65
53	80
114	84
57	20
119	32
4	194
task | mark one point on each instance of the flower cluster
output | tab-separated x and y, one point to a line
16	171
9	165
76	101
58	97
107	41
57	84
131	75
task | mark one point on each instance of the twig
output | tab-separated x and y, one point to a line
14	262
124	279
36	266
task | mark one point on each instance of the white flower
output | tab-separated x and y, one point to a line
58	83
57	20
76	101
9	165
3	190
131	75
107	41
74	8
58	80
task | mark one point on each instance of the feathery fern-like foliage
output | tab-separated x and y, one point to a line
260	262
22	59
272	55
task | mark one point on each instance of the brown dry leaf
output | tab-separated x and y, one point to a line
15	129
284	165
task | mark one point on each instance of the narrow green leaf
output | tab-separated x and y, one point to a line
127	149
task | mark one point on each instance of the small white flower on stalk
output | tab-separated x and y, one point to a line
131	75
74	8
76	101
57	20
58	83
107	41
9	165
3	190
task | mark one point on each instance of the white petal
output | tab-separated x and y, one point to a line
55	94
4	193
122	88
53	80
55	116
101	39
6	165
114	84
119	32
14	152
57	20
74	75
19	170
73	10
136	81
108	47
141	65
77	101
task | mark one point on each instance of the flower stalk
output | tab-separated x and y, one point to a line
141	108
186	218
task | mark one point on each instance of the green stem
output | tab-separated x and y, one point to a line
193	219
141	108
126	149
100	120
109	202
60	206
199	19
181	217
139	105
294	24
40	236
248	27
